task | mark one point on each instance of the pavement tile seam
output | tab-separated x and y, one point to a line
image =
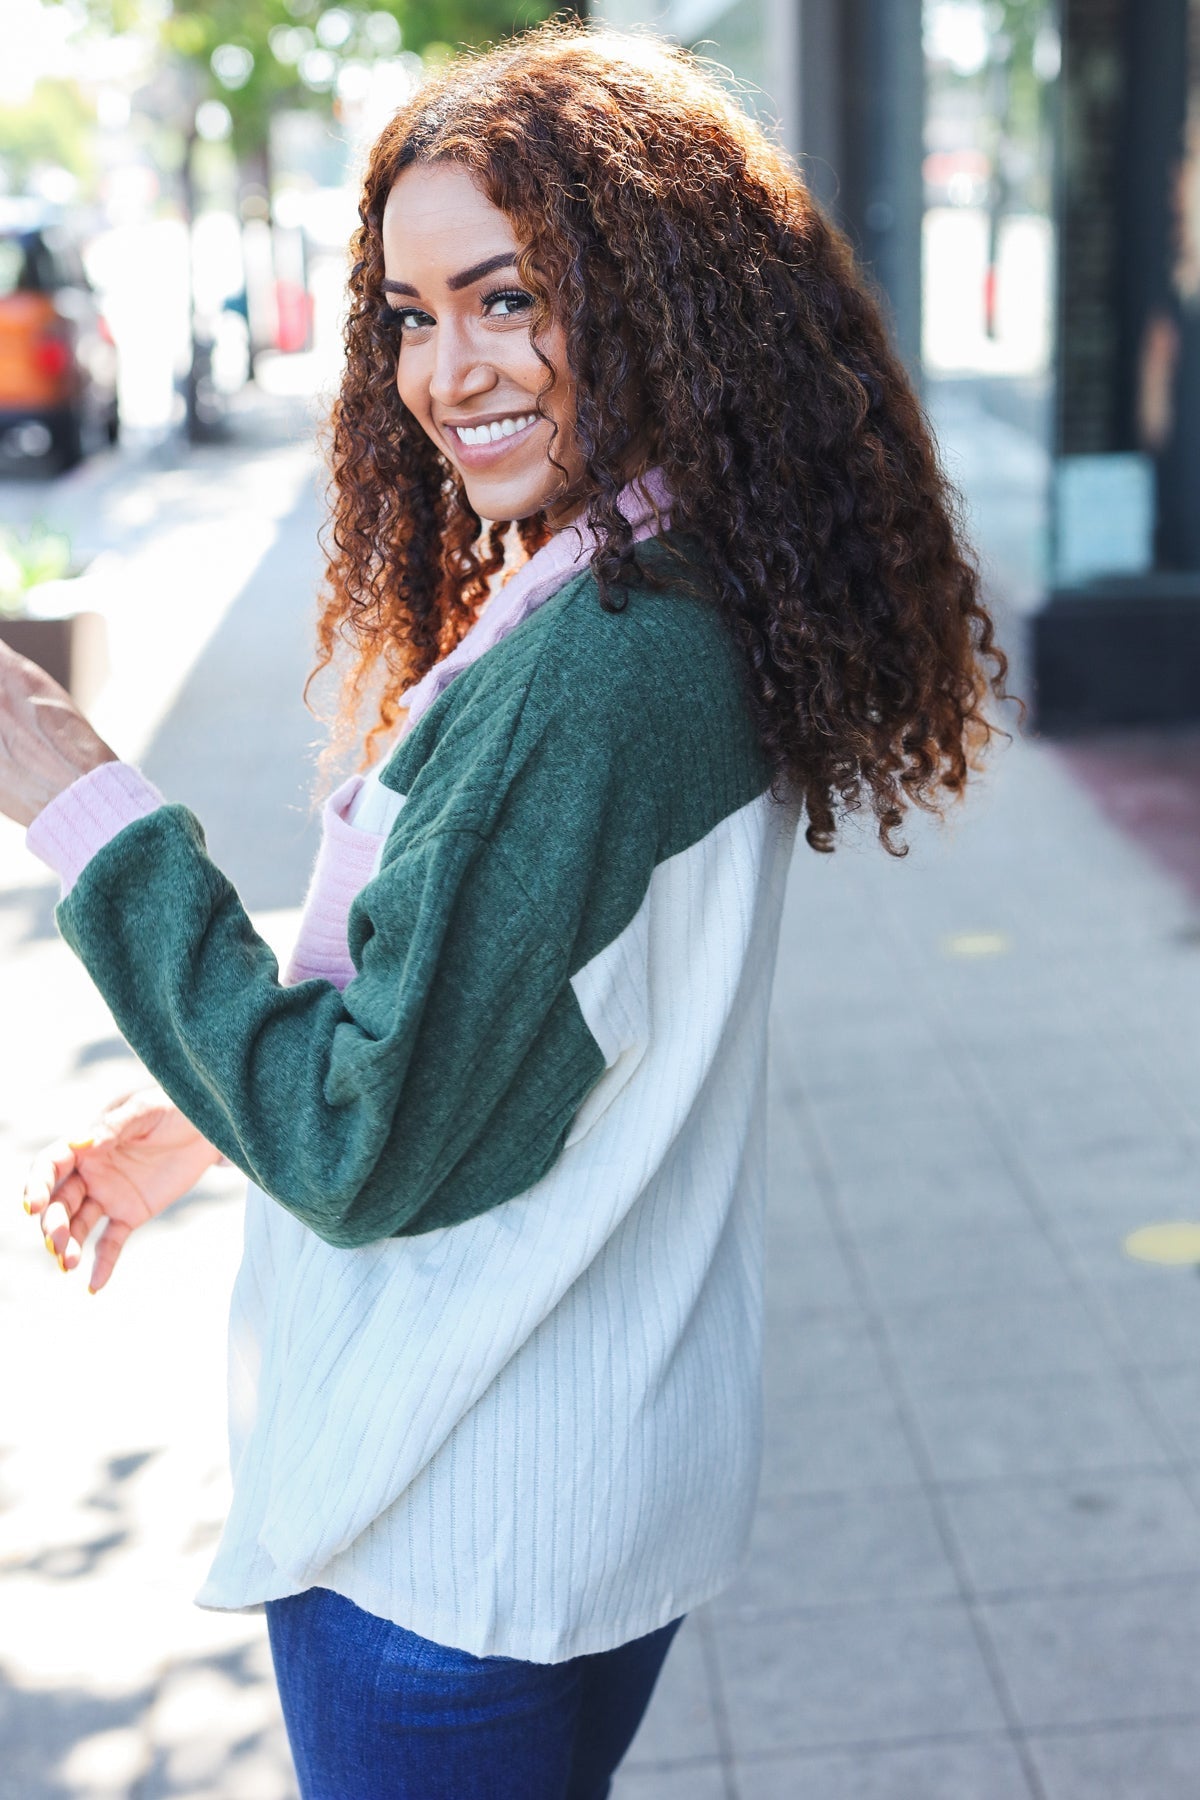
1003	1378
706	1632
869	1746
1047	1288
889	1490
1184	1721
1049	1479
1190	1480
980	1597
666	1765
1071	1590
982	1484
1172	1582
1111	1725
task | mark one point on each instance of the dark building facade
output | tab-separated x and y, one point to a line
1123	647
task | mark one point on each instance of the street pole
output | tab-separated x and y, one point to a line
193	429
861	132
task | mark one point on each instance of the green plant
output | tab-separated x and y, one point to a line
40	554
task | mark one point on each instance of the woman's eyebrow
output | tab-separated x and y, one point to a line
477	271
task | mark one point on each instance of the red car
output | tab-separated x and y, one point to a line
58	363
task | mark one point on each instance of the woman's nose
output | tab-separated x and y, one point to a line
459	368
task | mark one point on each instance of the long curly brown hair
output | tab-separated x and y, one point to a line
712	312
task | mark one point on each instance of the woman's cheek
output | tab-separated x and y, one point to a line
412	379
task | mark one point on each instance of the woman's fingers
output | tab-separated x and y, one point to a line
107	1252
56	1193
68	1197
52	1166
57	1188
84	1222
48	1171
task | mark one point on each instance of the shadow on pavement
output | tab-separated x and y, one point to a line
34	907
73	1744
43	1732
70	1560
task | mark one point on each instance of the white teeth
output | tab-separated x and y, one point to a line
491	434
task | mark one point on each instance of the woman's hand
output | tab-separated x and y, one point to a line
142	1155
45	741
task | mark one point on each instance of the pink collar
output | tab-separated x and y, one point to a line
644	504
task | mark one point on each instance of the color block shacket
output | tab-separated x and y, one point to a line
495	1342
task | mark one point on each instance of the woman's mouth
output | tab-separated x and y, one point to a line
491	438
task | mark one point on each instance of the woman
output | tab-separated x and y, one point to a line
496	1338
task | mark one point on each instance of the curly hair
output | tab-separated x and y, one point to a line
712	311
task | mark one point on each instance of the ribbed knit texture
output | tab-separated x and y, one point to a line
77	823
345	863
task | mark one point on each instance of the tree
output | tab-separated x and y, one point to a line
259	55
52	126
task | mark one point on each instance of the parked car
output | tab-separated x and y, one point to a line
58	362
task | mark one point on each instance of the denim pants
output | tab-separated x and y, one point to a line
374	1712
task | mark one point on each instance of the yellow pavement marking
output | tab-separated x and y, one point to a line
1176	1242
977	943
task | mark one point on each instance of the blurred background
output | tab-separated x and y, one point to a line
976	1567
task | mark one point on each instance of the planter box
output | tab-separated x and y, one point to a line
1121	651
73	649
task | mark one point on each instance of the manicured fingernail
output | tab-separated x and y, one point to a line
62	1263
49	1243
80	1143
91	1290
27	1206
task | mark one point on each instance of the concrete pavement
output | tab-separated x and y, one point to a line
114	1479
976	1568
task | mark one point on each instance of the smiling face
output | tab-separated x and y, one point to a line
466	366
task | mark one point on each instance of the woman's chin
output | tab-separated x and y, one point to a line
500	499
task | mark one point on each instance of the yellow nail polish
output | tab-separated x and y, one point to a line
80	1143
27	1206
62	1263
49	1243
91	1290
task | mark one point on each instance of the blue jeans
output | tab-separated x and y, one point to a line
374	1712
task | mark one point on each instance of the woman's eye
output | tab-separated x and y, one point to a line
507	303
405	318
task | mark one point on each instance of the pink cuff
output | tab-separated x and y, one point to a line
87	815
345	864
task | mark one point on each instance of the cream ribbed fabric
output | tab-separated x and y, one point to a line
537	1433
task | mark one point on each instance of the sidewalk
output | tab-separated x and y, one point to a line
976	1569
113	1467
